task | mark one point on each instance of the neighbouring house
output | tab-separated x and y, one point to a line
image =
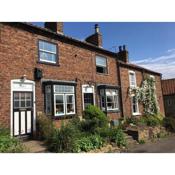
168	89
44	71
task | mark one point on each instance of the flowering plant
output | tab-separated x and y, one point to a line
146	95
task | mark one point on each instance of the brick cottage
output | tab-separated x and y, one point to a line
44	71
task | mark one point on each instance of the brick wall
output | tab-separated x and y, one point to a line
19	56
124	72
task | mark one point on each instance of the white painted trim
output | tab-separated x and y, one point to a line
11	103
135	113
132	72
93	91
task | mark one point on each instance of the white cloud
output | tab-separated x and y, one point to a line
164	64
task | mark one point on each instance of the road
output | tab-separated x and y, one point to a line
165	145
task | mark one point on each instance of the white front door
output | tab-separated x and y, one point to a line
22	107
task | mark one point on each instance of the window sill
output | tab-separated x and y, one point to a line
63	117
47	63
112	111
104	74
136	114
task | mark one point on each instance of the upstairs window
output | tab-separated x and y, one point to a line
132	79
101	64
47	52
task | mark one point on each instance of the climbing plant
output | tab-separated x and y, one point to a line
146	95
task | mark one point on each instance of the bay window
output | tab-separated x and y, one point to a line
64	100
109	99
59	100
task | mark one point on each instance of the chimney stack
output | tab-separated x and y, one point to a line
123	54
96	38
55	27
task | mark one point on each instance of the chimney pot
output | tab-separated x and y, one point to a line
97	29
124	47
120	48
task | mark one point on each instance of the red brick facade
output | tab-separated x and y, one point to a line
19	56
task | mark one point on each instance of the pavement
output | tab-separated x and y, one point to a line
35	146
165	145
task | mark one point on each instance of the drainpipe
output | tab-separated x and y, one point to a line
120	91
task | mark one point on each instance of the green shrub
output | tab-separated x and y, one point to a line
94	119
152	121
169	123
10	145
4	131
63	139
141	141
45	127
88	143
117	136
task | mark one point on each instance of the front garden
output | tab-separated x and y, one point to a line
91	133
9	144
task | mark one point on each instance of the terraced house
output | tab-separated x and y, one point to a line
44	71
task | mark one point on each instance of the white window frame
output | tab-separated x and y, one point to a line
67	103
46	51
55	105
64	94
83	92
105	95
99	65
133	73
135	113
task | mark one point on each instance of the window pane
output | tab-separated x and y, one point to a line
59	109
70	108
88	99
22	96
100	61
47	46
134	105
22	104
109	99
16	96
28	96
28	104
59	99
48	100
70	104
63	89
47	56
16	104
101	69
132	79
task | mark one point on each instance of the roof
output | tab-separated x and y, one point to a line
168	86
134	66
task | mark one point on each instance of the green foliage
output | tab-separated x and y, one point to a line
117	136
9	144
63	139
152	121
94	119
88	143
4	131
141	141
169	123
45	127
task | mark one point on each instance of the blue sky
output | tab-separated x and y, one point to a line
151	45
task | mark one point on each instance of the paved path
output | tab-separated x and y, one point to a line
35	146
165	145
